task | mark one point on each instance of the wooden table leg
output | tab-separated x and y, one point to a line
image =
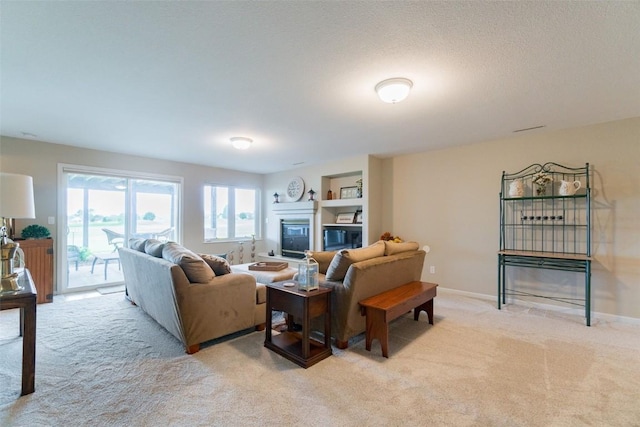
428	307
29	349
377	328
268	329
306	324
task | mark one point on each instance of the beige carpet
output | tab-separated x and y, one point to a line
102	362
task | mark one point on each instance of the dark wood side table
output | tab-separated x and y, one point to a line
299	347
25	300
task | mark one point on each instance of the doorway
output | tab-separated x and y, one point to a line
101	211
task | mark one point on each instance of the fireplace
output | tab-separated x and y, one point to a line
295	237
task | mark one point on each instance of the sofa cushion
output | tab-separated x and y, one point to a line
153	247
196	270
324	259
137	244
392	248
219	265
344	258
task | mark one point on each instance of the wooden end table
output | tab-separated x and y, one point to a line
25	300
299	347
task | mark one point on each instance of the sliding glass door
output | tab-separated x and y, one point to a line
102	211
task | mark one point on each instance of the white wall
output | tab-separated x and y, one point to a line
449	200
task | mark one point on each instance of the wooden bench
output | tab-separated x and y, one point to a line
387	306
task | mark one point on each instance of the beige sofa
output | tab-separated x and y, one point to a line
356	274
194	297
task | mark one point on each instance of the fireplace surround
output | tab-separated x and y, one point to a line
297	227
294	237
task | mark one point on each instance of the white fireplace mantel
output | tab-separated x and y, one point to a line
298	210
303	208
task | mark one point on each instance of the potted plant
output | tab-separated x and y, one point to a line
35	231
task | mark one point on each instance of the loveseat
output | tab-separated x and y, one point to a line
195	297
356	274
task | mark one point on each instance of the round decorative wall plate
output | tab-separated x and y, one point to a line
295	188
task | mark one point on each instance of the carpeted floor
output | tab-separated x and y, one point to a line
102	362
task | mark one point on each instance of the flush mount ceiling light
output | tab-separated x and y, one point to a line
394	90
241	143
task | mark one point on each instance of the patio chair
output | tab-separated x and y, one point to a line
114	238
164	235
73	255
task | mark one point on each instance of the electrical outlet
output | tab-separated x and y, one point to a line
432	269
51	220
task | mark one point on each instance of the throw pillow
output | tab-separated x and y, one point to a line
219	265
344	258
137	244
196	270
392	248
154	247
324	259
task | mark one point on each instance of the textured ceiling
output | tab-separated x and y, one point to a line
175	80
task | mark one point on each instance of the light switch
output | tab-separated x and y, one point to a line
51	220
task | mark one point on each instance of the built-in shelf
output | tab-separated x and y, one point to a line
342	225
337	203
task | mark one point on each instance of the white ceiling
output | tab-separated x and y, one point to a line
175	80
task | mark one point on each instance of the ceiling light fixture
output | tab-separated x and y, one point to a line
394	90
241	143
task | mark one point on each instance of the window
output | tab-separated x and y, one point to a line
230	213
102	209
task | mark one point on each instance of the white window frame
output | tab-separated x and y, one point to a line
64	168
231	214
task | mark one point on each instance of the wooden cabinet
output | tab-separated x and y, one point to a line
38	258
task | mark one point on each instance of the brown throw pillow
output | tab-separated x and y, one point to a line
344	258
196	270
220	266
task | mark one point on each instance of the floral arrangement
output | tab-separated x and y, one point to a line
541	179
390	238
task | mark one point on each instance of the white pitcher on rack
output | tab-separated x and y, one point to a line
568	188
516	188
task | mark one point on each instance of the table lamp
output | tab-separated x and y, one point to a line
16	201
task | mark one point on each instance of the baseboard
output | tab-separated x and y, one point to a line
542	306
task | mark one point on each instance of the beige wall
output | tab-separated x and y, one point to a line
449	200
40	160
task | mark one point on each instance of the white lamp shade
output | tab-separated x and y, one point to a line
394	90
16	196
241	143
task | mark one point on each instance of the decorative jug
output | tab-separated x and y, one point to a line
516	189
568	188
